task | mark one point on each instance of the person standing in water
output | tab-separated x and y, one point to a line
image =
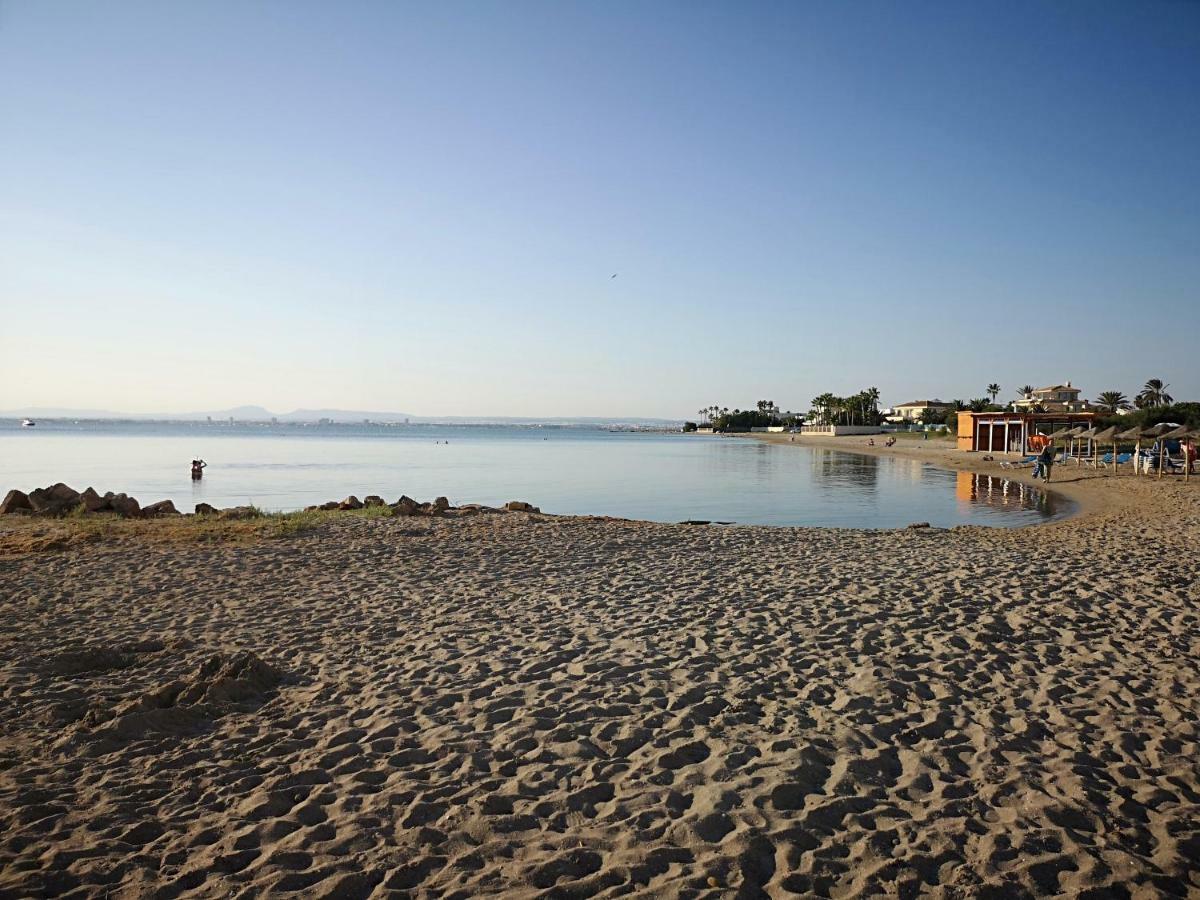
198	466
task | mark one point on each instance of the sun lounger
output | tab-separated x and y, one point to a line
1122	458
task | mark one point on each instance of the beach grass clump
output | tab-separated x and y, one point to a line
32	534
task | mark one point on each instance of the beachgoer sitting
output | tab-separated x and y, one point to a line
871	442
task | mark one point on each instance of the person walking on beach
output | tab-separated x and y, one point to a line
1046	462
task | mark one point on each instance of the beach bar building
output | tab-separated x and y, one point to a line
1009	432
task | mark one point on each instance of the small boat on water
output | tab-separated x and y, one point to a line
27	423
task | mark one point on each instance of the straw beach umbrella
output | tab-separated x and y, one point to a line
1089	433
1108	434
1156	432
1133	434
1181	433
1069	434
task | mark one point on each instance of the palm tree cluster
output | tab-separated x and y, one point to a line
1112	401
860	409
1153	394
765	413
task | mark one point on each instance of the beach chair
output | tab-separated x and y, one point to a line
1174	464
1122	458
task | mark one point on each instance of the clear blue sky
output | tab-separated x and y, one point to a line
420	207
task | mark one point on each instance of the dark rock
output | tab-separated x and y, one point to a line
441	503
405	506
520	506
206	509
92	501
161	508
54	500
14	500
125	506
350	502
918	525
373	500
329	505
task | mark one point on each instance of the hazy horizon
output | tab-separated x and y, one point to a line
423	207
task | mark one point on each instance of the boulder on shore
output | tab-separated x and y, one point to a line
350	502
441	504
206	509
15	502
520	506
161	508
54	500
125	506
93	502
372	500
405	506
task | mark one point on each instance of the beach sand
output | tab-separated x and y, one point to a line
533	705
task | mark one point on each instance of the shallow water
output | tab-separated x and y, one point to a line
661	477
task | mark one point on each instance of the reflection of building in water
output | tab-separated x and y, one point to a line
992	490
854	469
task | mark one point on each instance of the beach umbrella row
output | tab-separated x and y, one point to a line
1161	432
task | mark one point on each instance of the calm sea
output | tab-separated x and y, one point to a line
661	477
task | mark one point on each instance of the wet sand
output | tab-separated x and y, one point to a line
533	705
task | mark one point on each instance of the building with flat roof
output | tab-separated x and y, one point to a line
1009	432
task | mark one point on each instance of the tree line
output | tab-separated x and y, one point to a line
765	414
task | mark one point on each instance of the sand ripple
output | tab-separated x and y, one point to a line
584	707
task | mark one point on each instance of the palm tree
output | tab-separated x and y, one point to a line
1155	394
992	390
1026	391
978	405
872	395
1112	401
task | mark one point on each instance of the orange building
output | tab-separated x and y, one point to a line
1009	432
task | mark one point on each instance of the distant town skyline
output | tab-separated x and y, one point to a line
422	207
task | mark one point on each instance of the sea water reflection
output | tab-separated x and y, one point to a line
1003	493
662	477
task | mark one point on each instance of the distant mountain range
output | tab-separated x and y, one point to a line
353	416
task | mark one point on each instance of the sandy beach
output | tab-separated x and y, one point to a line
532	705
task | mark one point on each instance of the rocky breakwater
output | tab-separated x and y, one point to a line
407	506
61	499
